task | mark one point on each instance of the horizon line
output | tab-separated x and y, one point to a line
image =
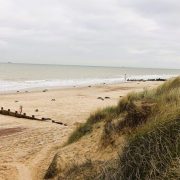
9	62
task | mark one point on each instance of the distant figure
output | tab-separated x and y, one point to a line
20	109
125	77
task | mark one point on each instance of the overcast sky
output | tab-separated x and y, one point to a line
136	33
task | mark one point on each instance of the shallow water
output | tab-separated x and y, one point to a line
29	76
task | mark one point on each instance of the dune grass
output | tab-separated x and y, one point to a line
153	145
52	171
137	109
149	155
151	101
86	128
150	121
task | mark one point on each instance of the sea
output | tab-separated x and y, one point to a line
16	77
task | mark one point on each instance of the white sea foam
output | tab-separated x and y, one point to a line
34	84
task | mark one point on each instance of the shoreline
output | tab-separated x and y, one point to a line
55	88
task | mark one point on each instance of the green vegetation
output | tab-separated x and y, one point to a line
149	155
150	121
81	171
52	170
136	109
153	120
86	128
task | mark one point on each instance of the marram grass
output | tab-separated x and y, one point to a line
150	121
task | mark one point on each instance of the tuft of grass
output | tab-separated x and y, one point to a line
94	118
149	155
173	172
168	86
107	137
78	171
86	169
52	171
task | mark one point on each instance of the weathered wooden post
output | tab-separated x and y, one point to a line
9	111
33	117
1	110
16	113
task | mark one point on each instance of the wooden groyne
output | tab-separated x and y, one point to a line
18	115
23	115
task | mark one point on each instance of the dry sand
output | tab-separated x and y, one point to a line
28	146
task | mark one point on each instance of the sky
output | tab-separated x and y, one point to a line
135	33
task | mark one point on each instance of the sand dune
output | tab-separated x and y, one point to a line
27	147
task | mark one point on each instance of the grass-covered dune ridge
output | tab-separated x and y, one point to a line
156	105
150	123
86	128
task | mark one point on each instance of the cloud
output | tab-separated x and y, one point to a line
91	32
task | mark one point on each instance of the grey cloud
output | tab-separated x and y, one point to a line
91	32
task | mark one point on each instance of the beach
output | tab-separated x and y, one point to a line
89	90
28	146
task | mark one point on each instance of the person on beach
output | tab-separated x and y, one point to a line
20	109
125	77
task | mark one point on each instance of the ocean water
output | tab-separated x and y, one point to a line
15	77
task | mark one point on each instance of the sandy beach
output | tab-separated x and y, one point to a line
27	146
